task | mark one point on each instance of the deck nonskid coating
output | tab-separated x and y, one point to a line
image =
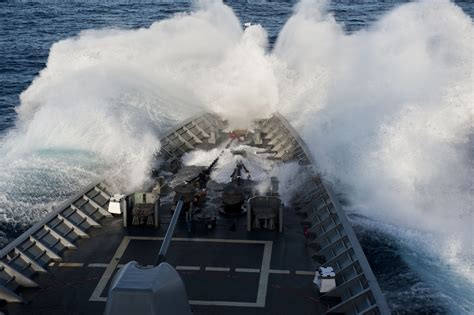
224	271
227	270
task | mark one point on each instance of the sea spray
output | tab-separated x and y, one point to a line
98	108
385	110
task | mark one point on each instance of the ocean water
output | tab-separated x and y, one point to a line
381	91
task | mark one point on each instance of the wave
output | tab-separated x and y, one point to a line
385	110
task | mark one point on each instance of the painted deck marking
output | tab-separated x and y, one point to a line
109	271
262	285
97	265
247	270
279	271
223	303
70	264
189	268
193	268
217	269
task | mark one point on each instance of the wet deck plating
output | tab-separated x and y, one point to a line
264	270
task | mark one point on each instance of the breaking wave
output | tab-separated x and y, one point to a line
385	110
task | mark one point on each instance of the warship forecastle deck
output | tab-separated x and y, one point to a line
225	270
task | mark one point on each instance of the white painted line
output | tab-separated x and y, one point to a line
51	264
224	303
264	274
304	273
217	269
97	265
194	268
214	303
279	271
96	295
263	281
70	264
211	240
247	270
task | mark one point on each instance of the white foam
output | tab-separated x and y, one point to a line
259	168
386	111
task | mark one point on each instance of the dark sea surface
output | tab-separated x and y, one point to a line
29	28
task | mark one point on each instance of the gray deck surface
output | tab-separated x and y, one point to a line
225	271
68	286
